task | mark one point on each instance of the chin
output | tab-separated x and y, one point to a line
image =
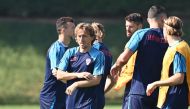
128	36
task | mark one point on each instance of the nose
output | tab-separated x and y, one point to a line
81	39
127	28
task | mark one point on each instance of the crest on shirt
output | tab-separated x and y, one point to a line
88	61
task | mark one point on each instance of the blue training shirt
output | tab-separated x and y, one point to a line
108	63
52	91
74	61
151	47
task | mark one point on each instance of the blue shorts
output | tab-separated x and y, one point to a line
51	104
126	95
82	107
141	102
46	103
73	105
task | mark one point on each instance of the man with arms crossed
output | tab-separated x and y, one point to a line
52	95
82	67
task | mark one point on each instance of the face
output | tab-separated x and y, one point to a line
83	39
70	29
131	27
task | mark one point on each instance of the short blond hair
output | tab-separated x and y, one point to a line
174	26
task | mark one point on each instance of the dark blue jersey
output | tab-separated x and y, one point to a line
75	61
52	92
151	48
108	62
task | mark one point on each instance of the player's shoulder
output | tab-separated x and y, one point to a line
144	30
72	50
155	31
95	52
96	45
56	45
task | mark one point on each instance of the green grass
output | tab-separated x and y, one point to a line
19	107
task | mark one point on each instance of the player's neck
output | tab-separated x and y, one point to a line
172	40
84	49
64	39
98	40
155	24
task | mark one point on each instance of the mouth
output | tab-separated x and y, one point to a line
129	33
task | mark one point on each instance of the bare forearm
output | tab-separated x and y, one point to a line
109	84
124	57
88	83
62	75
176	79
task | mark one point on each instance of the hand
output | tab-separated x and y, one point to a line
71	88
86	75
150	88
115	71
54	72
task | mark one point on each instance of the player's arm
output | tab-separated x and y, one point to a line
123	58
84	83
64	75
110	82
173	80
88	83
179	70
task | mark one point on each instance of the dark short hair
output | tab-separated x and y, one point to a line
62	22
134	17
155	11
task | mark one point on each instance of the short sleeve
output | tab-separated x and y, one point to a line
64	61
179	63
99	64
135	39
53	56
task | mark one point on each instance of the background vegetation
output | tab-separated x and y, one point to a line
27	29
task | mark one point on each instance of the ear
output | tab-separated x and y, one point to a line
148	20
62	31
101	34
